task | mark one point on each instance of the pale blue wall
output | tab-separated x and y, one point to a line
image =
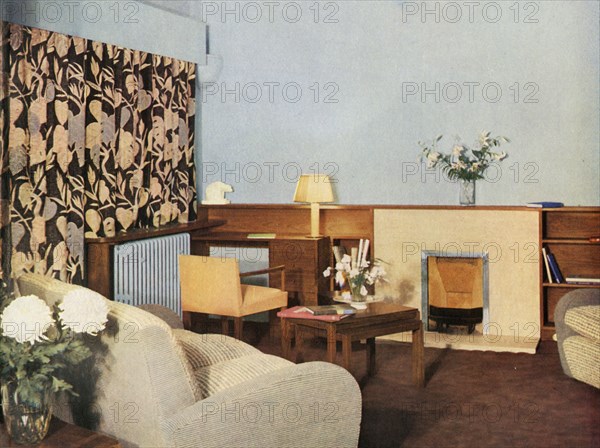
128	23
371	133
370	52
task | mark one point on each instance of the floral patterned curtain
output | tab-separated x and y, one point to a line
5	247
100	140
139	137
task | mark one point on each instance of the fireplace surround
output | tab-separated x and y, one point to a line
510	240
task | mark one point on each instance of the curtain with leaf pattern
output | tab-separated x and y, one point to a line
100	140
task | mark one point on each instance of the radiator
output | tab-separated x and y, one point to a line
147	271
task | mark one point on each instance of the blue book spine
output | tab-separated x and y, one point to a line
554	268
545	204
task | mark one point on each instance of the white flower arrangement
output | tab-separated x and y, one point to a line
37	342
463	162
356	273
83	312
26	320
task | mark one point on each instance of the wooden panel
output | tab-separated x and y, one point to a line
553	295
347	223
572	225
259	220
577	260
350	221
305	260
99	263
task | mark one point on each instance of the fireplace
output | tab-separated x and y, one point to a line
454	290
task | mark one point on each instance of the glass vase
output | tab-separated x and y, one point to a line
467	192
26	424
357	296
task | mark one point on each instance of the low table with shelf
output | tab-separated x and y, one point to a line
378	319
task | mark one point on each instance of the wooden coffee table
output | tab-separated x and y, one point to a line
378	319
65	435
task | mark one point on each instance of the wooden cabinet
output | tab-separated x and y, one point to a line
566	233
305	260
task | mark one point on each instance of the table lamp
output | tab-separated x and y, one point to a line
314	188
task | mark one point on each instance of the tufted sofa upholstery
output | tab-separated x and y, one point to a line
151	385
577	320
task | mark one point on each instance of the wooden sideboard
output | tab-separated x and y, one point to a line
345	225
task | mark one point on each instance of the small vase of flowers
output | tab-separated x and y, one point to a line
37	343
354	272
463	163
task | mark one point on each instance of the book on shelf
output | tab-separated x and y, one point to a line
546	265
545	204
558	277
322	310
338	253
575	280
300	312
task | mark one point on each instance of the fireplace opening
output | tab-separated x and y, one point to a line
454	291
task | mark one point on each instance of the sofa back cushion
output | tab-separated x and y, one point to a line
138	374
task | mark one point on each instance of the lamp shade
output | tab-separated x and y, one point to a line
313	188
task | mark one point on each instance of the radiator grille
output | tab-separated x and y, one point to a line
147	271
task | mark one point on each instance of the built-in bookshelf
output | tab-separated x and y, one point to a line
567	233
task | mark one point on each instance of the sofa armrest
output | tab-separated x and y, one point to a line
573	299
315	404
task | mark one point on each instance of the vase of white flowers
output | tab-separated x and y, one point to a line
465	164
467	192
355	272
36	344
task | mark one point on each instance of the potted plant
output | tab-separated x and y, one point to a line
37	343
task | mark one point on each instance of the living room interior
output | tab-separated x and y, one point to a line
372	95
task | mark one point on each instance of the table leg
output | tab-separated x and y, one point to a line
371	356
418	354
346	351
331	349
299	344
286	339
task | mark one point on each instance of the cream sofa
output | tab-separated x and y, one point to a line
577	320
150	385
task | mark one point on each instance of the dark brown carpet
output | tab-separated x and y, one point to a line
471	399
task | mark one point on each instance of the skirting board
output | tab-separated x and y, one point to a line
475	341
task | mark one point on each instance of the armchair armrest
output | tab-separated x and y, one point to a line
268	271
311	404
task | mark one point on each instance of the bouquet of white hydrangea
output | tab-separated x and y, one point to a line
36	342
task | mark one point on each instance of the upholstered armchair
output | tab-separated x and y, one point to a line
577	320
212	285
151	385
